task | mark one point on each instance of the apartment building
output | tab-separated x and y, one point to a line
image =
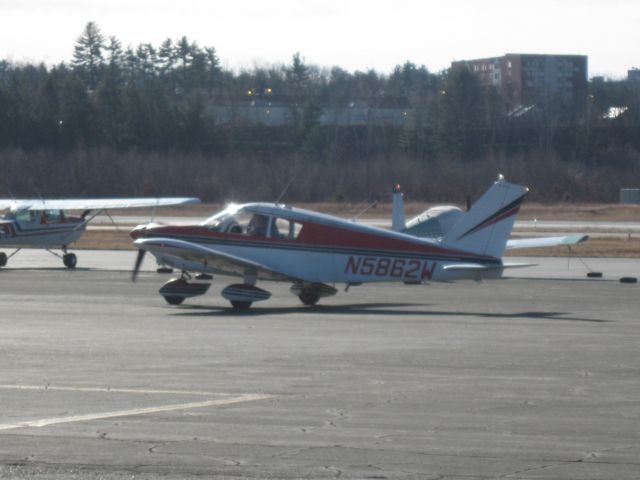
533	79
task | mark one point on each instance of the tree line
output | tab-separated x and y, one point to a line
132	120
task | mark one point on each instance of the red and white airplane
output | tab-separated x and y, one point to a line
44	223
314	251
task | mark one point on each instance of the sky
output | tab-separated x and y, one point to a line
351	34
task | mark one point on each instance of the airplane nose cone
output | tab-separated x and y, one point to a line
138	232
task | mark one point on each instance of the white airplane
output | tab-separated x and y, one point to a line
314	251
44	223
436	221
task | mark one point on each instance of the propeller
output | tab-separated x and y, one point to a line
136	267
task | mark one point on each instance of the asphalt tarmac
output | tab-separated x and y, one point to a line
532	377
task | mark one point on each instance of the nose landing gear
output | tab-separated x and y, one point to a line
177	289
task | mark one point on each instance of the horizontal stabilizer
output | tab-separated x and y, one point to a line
478	267
545	241
466	267
519	265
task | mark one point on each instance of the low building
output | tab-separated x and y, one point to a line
633	75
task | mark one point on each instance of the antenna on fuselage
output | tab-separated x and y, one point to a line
362	212
284	190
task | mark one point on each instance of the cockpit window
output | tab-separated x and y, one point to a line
232	219
26	216
51	216
237	220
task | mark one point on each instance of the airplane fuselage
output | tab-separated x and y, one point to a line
329	254
36	233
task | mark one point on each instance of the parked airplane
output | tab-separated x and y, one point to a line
44	223
313	251
436	221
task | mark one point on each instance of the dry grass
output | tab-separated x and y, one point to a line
597	212
595	247
104	240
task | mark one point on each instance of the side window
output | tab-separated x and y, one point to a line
52	216
25	216
258	225
283	228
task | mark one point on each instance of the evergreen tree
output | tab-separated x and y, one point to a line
87	54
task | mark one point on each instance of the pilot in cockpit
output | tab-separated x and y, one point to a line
258	225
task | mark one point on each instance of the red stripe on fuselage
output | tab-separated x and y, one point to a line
316	235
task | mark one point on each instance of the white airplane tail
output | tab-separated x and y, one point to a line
485	229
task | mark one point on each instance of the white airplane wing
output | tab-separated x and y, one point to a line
110	203
94	203
224	262
545	241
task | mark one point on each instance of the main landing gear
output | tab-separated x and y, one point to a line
311	293
240	295
69	259
177	289
4	258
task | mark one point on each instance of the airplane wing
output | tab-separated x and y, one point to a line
224	262
10	203
94	203
545	241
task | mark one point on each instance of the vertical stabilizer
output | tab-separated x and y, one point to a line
397	215
485	229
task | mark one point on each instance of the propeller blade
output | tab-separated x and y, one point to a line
136	267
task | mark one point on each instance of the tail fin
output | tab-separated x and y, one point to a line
397	215
485	229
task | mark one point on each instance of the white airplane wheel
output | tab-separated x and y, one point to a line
241	305
3	259
309	298
70	260
173	299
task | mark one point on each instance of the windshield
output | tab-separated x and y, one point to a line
221	218
232	219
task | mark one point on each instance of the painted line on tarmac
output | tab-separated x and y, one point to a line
108	390
136	411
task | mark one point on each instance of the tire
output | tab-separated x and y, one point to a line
70	260
239	305
164	270
3	259
628	280
173	299
309	298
